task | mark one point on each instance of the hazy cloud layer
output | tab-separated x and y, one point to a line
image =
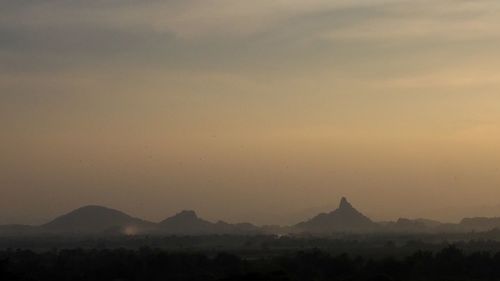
208	32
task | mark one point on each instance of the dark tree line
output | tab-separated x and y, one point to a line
154	264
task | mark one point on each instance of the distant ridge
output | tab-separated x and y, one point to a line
17	230
99	220
344	219
188	222
480	223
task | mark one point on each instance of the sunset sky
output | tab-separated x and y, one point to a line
262	111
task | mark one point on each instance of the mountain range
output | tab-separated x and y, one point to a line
98	220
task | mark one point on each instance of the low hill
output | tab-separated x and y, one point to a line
95	219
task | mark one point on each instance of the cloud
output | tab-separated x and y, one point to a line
189	18
234	35
421	20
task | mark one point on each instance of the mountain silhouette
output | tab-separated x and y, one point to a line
344	219
95	219
101	220
185	222
188	223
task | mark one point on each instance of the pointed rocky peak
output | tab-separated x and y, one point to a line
344	204
345	218
346	210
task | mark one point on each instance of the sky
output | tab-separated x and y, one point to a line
260	111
